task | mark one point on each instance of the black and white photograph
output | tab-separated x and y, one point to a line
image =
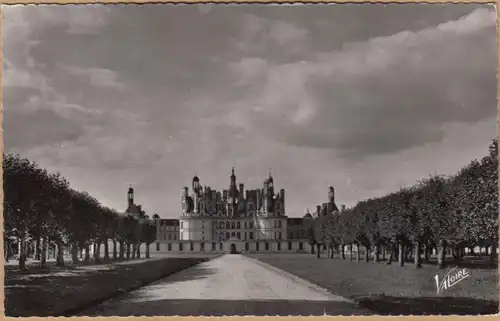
264	159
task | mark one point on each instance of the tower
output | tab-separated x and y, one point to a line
331	195
232	194
130	196
196	185
270	193
185	200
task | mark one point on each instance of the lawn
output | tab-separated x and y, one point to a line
390	289
64	291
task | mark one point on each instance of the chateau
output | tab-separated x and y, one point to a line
233	219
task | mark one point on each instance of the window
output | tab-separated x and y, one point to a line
279	235
267	246
227	235
238	235
232	233
157	246
289	246
247	247
238	225
245	224
170	246
182	224
202	247
251	235
213	246
275	224
279	246
257	246
221	246
301	246
233	225
251	224
181	247
228	225
191	246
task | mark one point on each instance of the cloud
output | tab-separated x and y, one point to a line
382	95
98	77
366	98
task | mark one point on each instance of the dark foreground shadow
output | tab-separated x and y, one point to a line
227	308
379	306
389	305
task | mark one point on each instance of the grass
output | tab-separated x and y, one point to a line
64	291
390	289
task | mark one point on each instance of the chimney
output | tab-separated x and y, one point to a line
241	189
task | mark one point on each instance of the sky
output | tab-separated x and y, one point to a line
366	98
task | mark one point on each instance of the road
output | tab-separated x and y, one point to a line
228	285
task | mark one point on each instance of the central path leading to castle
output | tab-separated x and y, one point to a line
228	285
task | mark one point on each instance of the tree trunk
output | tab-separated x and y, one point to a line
43	253
418	262
367	254
401	254
493	254
147	250
37	249
60	253
377	253
114	250
426	253
22	253
350	252
408	253
384	252
456	254
392	253
97	253
342	251
441	253
312	248
128	251
134	251
122	250
74	253
358	254
87	252
106	250
139	251
318	251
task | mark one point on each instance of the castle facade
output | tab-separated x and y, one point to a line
234	213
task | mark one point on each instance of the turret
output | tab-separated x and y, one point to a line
241	190
185	199
196	184
331	195
130	196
